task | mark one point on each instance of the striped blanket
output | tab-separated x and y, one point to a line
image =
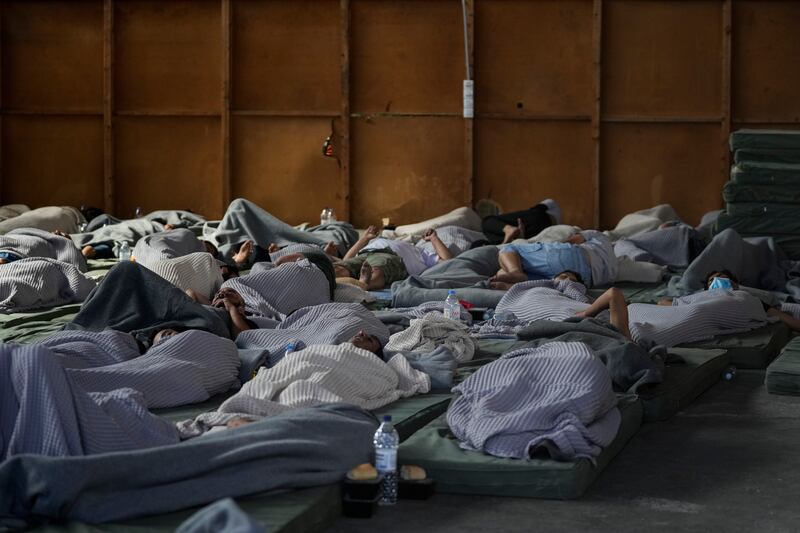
544	300
696	317
44	411
557	397
431	331
38	283
166	245
332	323
315	375
198	271
30	242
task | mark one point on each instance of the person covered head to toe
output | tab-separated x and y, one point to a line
721	279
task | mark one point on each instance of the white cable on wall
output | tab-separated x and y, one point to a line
469	85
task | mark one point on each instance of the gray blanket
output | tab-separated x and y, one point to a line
245	220
674	246
302	448
30	242
133	299
166	245
176	218
467	274
557	397
630	365
757	262
66	219
44	412
125	230
39	283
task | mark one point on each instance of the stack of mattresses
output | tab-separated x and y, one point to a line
763	194
783	375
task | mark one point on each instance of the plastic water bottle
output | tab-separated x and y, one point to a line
327	216
124	252
290	347
452	309
729	373
137	213
386	441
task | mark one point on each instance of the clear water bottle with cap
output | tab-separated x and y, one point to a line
386	441
124	251
327	216
452	309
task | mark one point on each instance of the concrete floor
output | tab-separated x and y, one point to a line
729	462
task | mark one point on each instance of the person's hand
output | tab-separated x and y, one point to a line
231	307
60	234
371	233
429	235
168	227
576	239
581	314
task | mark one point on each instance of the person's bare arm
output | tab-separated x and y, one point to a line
441	250
786	318
197	297
370	234
613	300
238	319
665	301
600	304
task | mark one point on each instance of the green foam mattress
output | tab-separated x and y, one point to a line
753	155
763	210
466	472
296	511
736	193
689	373
765	174
765	139
783	375
753	349
757	225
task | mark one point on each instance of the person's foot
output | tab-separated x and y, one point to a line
243	254
88	252
512	232
521	228
331	249
273	248
500	285
365	276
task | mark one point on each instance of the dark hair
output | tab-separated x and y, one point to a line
725	273
233	271
323	262
478	244
578	277
90	212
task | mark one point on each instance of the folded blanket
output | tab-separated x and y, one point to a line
303	448
556	397
463	217
630	365
642	221
38	283
66	219
431	331
316	375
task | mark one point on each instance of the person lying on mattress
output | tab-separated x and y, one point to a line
351	373
249	253
332	323
561	298
723	308
726	280
589	253
267	295
25	243
377	262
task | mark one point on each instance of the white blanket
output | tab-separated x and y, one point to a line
431	331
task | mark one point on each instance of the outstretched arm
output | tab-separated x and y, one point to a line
441	250
613	300
370	234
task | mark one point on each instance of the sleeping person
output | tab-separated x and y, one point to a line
377	262
31	243
588	253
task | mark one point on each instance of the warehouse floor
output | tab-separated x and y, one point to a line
729	462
